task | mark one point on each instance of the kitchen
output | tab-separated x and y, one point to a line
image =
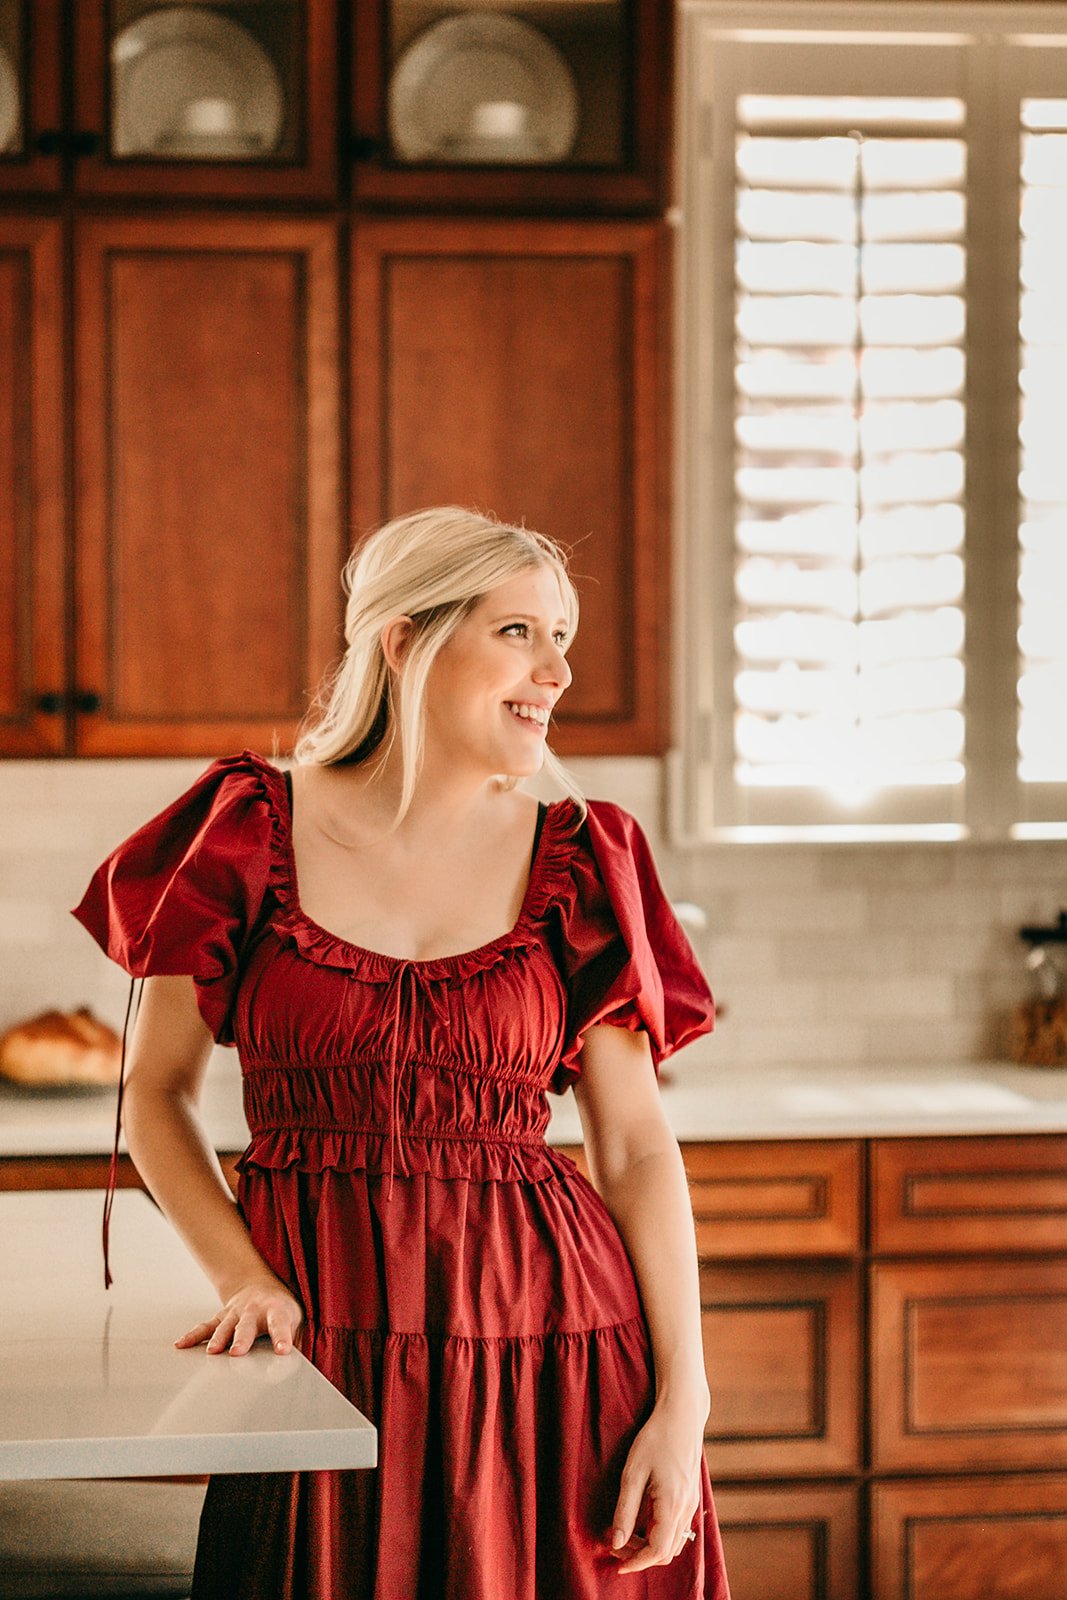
877	1185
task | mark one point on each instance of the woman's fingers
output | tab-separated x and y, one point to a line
197	1335
246	1315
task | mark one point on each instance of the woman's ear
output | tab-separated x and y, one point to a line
395	637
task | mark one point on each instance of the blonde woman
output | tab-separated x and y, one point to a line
409	950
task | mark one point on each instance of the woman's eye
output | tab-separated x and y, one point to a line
561	634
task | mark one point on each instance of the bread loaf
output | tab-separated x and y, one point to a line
60	1047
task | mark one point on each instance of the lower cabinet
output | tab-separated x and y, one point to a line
790	1542
975	1538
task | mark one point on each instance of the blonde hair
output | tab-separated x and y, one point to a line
434	566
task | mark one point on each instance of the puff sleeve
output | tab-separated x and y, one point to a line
627	959
182	894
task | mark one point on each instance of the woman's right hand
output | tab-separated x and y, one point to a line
263	1305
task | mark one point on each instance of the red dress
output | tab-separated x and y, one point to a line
464	1285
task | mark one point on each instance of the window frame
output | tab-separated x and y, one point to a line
997	55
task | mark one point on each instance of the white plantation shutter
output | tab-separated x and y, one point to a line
873	328
849	425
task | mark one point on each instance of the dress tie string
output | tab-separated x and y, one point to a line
404	967
113	1170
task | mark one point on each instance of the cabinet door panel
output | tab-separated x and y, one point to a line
790	1541
32	558
208	538
982	1539
781	1351
521	367
969	1364
776	1198
938	1196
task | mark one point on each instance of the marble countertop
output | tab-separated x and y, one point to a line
705	1098
91	1385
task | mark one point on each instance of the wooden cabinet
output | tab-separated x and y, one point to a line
973	1538
969	1365
174	458
782	1352
205	506
116	99
617	56
805	1201
208	519
33	578
121	121
524	366
885	1338
790	1542
968	1368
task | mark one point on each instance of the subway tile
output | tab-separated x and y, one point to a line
830	955
775	1000
824	911
782	1043
891	998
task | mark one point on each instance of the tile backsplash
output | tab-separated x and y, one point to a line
824	953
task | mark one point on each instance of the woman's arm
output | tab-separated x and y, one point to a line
637	1169
166	1061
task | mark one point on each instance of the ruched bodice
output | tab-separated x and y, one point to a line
462	1281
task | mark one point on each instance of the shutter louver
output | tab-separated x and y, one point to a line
849	443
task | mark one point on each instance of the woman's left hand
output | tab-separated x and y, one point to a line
664	1460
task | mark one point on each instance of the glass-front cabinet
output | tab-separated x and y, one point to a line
535	105
30	138
531	102
233	98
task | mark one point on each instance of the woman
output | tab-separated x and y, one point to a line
527	1345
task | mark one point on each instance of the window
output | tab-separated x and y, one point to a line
873	326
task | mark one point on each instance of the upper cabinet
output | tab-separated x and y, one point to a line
229	100
537	105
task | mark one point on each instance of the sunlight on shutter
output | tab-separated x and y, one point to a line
1043	445
849	434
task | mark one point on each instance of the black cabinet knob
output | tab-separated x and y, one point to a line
86	700
50	142
363	147
51	702
84	143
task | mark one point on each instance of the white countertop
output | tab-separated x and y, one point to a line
91	1385
707	1098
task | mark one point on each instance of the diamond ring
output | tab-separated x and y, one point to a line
691	1534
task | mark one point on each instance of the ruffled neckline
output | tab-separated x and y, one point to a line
320	945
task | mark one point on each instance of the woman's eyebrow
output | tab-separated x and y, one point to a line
522	616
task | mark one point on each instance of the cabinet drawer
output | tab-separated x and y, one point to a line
790	1541
984	1539
788	1198
969	1365
781	1351
969	1194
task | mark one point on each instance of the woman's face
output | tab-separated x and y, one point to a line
508	652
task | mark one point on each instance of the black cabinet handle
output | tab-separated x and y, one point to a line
83	143
363	147
86	700
52	702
